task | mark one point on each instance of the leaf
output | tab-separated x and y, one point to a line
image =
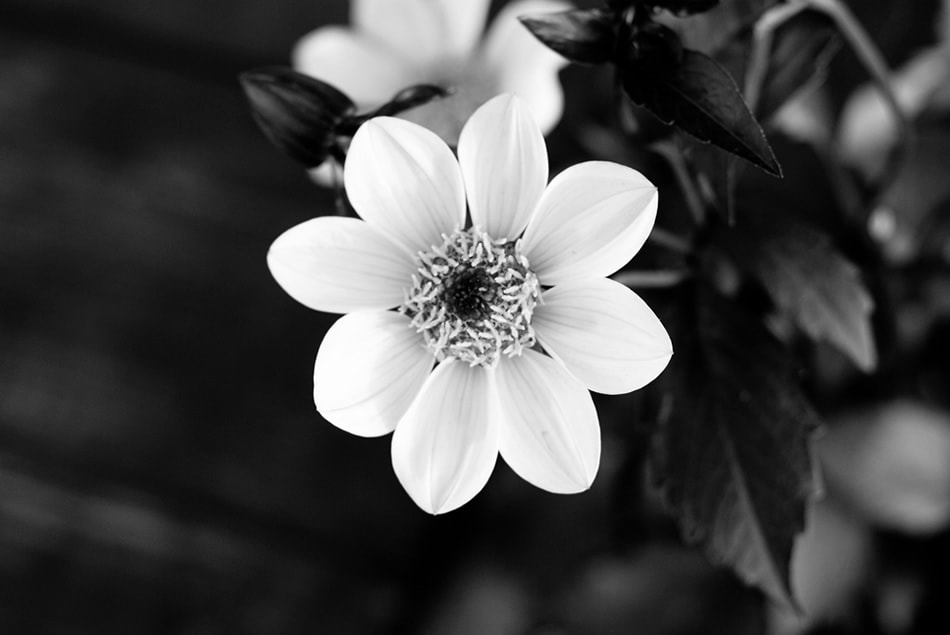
584	36
298	113
799	54
802	49
701	98
733	460
808	279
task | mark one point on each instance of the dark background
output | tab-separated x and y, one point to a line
162	468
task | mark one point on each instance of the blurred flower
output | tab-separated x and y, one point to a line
501	326
397	43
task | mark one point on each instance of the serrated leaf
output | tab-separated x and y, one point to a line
700	97
584	36
808	279
733	460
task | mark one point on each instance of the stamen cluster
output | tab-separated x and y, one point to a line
472	298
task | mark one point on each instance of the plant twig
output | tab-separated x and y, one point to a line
652	279
694	201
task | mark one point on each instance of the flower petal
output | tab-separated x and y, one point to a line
370	366
339	265
425	30
445	446
549	433
523	65
403	179
504	165
591	220
604	333
365	70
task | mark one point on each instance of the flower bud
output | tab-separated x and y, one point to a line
298	113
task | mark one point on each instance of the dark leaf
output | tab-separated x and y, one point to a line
808	279
799	54
701	98
298	113
733	460
802	48
583	36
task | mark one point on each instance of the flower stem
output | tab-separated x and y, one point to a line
669	240
652	279
677	163
764	31
873	61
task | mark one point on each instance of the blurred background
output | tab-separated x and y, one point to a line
162	468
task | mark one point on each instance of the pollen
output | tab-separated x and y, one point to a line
472	298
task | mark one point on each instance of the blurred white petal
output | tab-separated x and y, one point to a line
404	180
370	366
522	64
424	30
868	131
604	333
339	265
549	434
504	164
592	218
367	72
445	446
892	464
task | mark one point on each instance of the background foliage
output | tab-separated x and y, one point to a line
161	466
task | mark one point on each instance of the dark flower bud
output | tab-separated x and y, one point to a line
301	115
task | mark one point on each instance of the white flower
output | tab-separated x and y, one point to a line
398	43
501	326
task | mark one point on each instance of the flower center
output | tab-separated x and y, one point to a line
472	299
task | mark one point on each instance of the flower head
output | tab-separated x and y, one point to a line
398	43
470	339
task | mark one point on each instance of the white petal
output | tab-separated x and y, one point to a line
523	65
445	447
339	265
549	433
425	30
403	179
604	333
504	164
366	71
591	220
370	366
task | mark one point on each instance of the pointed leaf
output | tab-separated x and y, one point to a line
733	460
701	98
584	36
808	279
